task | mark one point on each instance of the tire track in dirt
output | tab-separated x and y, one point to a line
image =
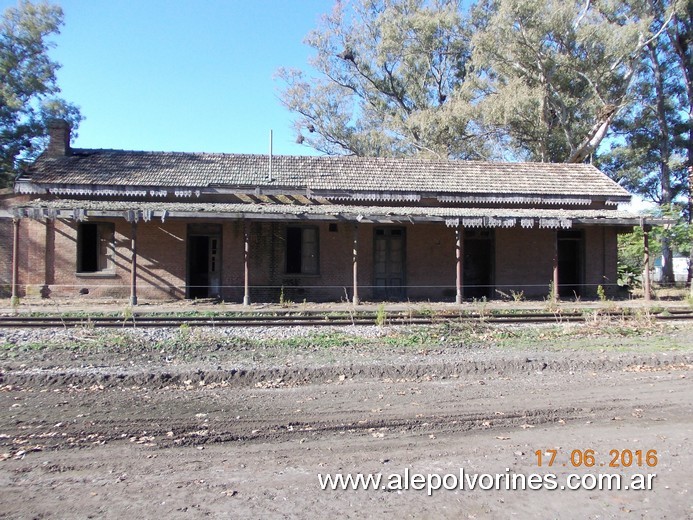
180	431
283	376
191	432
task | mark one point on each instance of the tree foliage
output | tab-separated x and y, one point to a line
28	85
399	77
649	152
562	73
387	82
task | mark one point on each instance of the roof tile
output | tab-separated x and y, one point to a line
198	170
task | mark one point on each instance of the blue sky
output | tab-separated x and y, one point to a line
183	75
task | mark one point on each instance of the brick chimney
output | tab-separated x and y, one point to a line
58	138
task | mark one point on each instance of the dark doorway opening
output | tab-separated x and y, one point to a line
294	237
204	261
389	263
302	250
570	263
198	267
89	248
478	263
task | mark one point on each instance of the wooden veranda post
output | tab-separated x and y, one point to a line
15	261
355	255
459	257
133	263
246	258
646	262
554	296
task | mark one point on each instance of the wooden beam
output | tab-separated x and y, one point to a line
355	255
133	263
246	259
459	257
15	261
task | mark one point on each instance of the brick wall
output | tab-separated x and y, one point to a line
522	258
161	255
48	261
431	262
334	279
524	261
232	261
5	257
601	260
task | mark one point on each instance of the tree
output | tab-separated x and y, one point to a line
648	154
387	82
405	77
562	74
28	84
680	34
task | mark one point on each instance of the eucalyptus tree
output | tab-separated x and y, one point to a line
28	83
651	148
680	34
552	75
385	81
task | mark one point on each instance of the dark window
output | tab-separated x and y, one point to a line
333	228
302	250
95	247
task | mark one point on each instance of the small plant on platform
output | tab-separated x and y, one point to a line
601	293
518	296
426	312
381	316
283	300
128	313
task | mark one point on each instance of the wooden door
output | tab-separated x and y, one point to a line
389	263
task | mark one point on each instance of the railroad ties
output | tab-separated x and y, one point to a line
294	319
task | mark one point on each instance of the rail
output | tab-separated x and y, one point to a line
293	319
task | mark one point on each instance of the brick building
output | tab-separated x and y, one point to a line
153	225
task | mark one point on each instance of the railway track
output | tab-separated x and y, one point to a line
289	319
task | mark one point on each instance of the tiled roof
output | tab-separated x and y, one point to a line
323	174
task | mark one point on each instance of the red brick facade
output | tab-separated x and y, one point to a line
522	261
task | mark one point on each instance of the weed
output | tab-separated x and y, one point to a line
184	333
381	316
426	312
283	301
601	293
550	305
518	296
128	314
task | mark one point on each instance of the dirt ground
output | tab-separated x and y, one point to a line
243	428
